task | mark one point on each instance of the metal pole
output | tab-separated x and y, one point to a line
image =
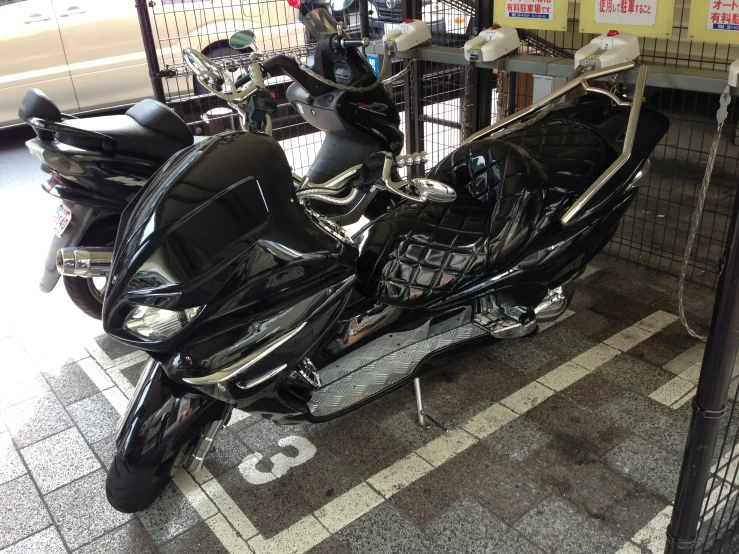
419	401
364	18
709	405
150	49
480	88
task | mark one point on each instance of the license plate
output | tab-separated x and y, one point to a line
62	217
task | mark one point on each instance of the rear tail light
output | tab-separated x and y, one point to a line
294	3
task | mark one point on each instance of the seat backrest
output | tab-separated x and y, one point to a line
36	104
158	117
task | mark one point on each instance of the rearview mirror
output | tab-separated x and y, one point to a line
241	40
432	191
339	5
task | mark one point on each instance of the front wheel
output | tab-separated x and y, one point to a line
131	489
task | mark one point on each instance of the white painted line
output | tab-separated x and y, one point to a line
202	475
296	539
194	494
228	537
692	374
309	531
229	508
684	399
688	358
562	377
628	338
96	373
121	382
548	324
656	322
528	397
340	512
445	447
672	391
399	475
116	399
651	537
236	416
489	420
595	357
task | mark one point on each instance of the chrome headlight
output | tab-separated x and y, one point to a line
158	324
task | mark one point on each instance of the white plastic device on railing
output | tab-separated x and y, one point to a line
491	44
608	49
407	35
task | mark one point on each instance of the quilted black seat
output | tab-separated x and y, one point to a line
416	252
148	129
573	153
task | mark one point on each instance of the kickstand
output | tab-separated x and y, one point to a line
421	412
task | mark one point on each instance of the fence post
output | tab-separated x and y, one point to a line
709	405
480	88
150	49
413	83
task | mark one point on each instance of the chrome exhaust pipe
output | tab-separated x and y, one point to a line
84	262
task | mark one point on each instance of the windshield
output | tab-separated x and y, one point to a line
320	22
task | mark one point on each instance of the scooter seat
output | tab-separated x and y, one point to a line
417	252
149	129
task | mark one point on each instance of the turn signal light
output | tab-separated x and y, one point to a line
294	3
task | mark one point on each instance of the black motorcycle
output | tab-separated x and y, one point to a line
244	296
97	165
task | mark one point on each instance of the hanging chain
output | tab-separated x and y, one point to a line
721	114
466	104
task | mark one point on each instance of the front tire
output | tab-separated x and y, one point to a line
131	489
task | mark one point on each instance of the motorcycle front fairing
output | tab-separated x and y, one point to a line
220	237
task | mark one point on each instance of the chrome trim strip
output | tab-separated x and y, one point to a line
567	87
266	377
606	176
245	363
205	443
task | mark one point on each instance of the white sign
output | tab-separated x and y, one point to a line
626	12
723	15
531	9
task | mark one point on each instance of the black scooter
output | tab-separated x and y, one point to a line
98	165
244	296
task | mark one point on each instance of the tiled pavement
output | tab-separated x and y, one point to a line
566	442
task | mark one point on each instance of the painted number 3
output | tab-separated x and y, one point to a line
281	463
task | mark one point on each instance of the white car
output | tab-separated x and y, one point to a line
88	54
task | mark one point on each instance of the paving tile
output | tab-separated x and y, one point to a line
447	400
132	372
664	346
321	479
197	539
505	488
169	515
95	417
330	546
59	459
131	537
621	307
628	338
35	419
489	420
557	525
271	507
585	436
11	465
691	356
591	485
425	499
71	383
112	348
384	530
593	391
358	442
648	465
262	435
617	281
446	446
592	324
82	511
468	527
400	474
403	426
634	375
22	513
633	512
44	542
105	450
657	423
521	354
565	342
519	439
227	452
596	356
346	508
489	379
19	377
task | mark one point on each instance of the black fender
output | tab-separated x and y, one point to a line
162	417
